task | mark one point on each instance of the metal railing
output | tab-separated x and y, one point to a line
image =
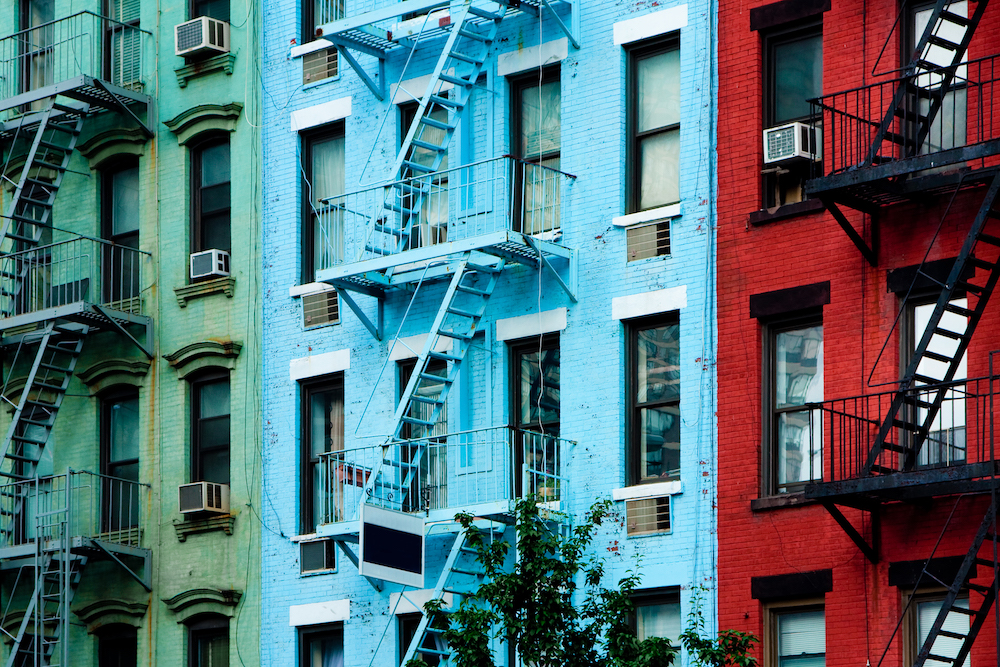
498	194
79	269
83	503
959	434
83	43
968	115
455	470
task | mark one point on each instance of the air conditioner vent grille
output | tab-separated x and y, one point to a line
188	35
320	308
647	515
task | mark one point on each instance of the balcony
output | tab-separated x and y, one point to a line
963	135
85	279
85	56
502	206
479	471
957	455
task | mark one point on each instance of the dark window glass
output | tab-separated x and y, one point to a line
538	140
117	646
658	614
654	398
216	9
319	12
323	222
36	47
407	629
323	431
431	225
655	124
210	454
120	225
209	642
322	647
535	408
120	441
211	196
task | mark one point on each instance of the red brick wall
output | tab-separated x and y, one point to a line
862	610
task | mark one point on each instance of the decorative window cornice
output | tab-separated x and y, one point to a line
111	372
204	118
204	354
225	62
199	601
111	144
111	612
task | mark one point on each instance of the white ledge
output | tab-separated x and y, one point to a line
656	490
661	213
309	288
306	49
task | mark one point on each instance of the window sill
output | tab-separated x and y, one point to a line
806	207
225	286
321	82
652	215
185	528
776	502
225	62
654	490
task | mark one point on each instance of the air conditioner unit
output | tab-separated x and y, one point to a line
201	35
204	497
209	263
792	141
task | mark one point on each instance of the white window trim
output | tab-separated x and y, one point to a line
317	365
656	490
649	303
535	324
659	214
320	114
319	613
532	57
650	25
306	49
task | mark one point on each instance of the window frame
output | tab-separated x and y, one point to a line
309	139
196	154
197	450
106	400
111	636
109	293
205	626
307	389
403	625
518	84
911	623
309	633
517	349
633	424
653	597
772	610
769	447
193	12
633	176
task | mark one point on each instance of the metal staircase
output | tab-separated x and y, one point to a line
906	104
420	405
911	415
461	576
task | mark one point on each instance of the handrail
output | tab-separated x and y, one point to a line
77	237
72	16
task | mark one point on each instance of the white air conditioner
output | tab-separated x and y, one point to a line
209	263
204	497
201	35
792	141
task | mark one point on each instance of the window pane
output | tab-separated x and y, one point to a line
539	392
213	399
802	639
213	651
215	198
541	197
215	164
431	135
659	157
800	453
215	466
125	201
325	650
660	442
659	87
957	622
658	620
799	367
124	430
798	76
215	231
214	433
326	426
659	372
327	169
217	9
540	120
40	11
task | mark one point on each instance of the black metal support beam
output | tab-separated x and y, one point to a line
869	550
869	253
353	557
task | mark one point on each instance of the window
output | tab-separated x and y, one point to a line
793	74
655	124
210	203
216	9
208	642
793	434
795	637
537	129
322	431
945	443
322	221
658	614
324	63
407	629
321	647
36	46
534	386
123	44
654	386
120	226
210	426
317	556
923	611
120	439
431	225
652	240
117	646
429	489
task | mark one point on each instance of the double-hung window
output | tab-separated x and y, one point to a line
123	44
658	614
654	396
429	222
535	411
210	201
210	429
794	431
923	611
120	226
408	624
322	432
429	489
796	637
216	9
120	439
117	646
322	217
208	642
321	646
537	140
655	124
36	45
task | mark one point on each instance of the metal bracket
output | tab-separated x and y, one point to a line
378	89
869	550
148	131
570	288
870	253
143	580
353	557
374	329
117	325
574	19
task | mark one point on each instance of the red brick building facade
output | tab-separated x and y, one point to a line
808	316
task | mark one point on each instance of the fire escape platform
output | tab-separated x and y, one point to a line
866	492
82	88
11	556
82	312
442	520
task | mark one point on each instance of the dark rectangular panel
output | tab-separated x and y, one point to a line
786	11
904	574
933	276
789	586
784	301
393	548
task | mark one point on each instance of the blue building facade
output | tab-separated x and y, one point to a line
503	267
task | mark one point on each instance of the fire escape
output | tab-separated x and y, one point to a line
425	229
899	141
56	289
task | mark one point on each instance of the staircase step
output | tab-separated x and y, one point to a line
471	290
425	399
482	13
948	333
882	470
455	334
56	147
959	310
979	588
399	209
378	250
50	165
952	635
416	166
421	422
969	287
479	37
926	379
464	313
910	114
440	125
989	238
939	658
980	263
429	146
952	17
483	268
444	356
896	138
436	379
936	356
455	80
894	447
984	562
466	58
447	102
29	441
15	476
943	43
474	573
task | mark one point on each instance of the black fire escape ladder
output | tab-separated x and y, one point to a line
981	598
919	398
906	107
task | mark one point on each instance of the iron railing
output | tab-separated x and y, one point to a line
968	116
80	269
75	504
959	434
81	44
498	194
455	470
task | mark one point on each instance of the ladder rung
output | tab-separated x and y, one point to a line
959	310
444	356
455	80
68	129
30	441
951	17
980	263
483	268
471	290
399	209
948	333
979	588
939	658
416	166
433	651
989	238
894	447
23	459
462	313
485	39
895	138
455	334
952	635
14	475
925	379
910	114
440	125
424	399
19	237
969	287
421	422
482	13
36	422
379	250
466	58
963	610
937	356
437	379
447	102
475	573
917	91
984	562
429	146
943	43
50	165
53	387
56	147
